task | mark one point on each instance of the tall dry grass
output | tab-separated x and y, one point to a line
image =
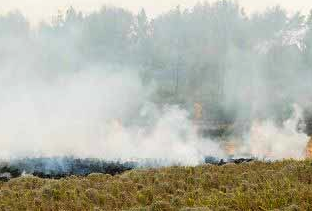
285	185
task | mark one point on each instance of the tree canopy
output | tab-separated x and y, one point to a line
212	53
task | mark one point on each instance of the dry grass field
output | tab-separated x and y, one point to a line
285	185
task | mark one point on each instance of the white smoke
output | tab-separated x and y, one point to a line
172	138
107	113
64	117
266	140
96	114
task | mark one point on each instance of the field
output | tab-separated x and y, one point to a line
285	185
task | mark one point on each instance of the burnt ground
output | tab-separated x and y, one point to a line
57	168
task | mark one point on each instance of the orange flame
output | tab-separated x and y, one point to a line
198	111
309	149
230	148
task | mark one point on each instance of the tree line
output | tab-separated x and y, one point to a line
212	53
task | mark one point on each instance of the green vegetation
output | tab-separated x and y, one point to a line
285	185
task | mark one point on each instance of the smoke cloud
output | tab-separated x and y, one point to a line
96	115
97	86
268	141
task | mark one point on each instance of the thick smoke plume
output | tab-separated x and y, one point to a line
96	115
108	116
266	140
118	86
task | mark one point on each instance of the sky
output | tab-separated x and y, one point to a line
38	10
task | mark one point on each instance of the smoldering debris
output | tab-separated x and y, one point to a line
57	168
8	172
221	162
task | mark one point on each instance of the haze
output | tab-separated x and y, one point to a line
112	84
38	10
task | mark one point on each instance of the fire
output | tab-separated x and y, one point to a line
309	149
117	124
230	148
198	111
